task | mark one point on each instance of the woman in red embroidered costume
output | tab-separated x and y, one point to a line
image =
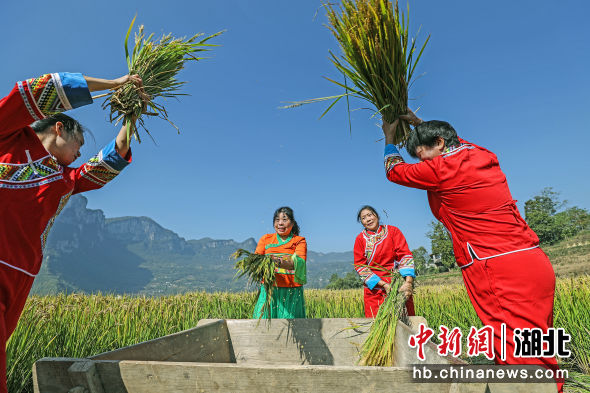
35	180
380	247
509	279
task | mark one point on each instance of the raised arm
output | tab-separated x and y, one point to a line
96	84
423	175
36	98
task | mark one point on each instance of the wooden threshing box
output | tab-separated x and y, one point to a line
287	355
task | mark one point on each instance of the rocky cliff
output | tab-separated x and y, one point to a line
87	252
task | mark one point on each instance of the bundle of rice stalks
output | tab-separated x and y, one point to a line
260	269
157	62
379	346
378	57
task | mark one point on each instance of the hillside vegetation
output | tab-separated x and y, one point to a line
569	257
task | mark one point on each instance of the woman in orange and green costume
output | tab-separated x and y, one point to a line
289	252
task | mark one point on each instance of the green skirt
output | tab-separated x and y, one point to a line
285	303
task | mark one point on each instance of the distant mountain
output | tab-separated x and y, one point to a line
88	253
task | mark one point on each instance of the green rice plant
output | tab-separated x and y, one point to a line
447	305
378	57
344	303
572	313
260	269
577	383
157	62
379	346
85	325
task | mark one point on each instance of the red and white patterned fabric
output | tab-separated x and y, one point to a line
376	254
34	187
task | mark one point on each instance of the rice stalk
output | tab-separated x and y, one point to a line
260	269
84	325
157	62
378	57
378	349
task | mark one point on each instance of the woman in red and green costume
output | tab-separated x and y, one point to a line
289	252
508	278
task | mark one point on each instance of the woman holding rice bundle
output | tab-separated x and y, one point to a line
289	252
509	279
377	250
37	143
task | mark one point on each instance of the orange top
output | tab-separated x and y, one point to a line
294	246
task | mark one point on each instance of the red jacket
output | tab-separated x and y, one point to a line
469	195
33	186
385	249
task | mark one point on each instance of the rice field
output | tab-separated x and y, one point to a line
84	325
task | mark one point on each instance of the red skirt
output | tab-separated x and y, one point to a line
14	289
516	289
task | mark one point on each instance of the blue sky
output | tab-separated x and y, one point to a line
509	75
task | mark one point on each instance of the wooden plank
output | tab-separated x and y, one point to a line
50	375
333	341
469	388
329	341
522	387
84	373
157	377
208	342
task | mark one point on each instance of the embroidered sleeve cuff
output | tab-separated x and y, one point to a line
113	159
392	157
300	268
75	88
372	281
407	271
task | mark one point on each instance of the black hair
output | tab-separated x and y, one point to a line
427	134
366	207
71	126
289	213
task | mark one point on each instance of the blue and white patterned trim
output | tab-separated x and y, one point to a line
53	93
59	89
392	157
406	266
112	158
103	167
30	185
26	101
32	174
